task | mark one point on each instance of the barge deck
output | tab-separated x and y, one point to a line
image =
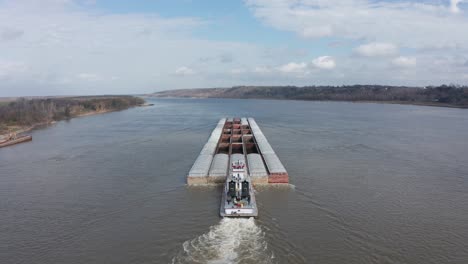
237	141
233	138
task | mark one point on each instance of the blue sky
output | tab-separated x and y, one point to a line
225	21
116	46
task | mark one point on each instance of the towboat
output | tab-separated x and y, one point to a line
238	198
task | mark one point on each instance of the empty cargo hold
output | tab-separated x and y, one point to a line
234	139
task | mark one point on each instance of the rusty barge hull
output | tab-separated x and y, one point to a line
231	140
18	140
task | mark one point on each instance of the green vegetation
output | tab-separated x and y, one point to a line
26	113
445	95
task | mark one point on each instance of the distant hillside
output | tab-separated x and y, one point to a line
450	96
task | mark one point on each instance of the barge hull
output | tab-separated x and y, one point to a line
22	139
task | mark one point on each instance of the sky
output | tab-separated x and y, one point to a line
87	47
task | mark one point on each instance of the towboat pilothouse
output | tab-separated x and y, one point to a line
238	199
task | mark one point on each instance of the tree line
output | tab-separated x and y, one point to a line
28	112
444	95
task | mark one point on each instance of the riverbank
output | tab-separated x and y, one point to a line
441	96
20	130
22	115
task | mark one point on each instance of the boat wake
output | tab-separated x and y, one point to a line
233	240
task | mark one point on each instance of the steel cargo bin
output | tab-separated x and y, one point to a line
222	121
209	148
244	121
251	121
214	138
256	130
265	147
276	170
257	170
253	125
198	174
215	135
220	125
260	137
217	131
219	168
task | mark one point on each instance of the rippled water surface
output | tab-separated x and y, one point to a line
372	183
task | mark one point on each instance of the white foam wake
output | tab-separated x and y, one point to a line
233	240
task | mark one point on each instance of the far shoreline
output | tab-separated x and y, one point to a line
453	96
305	100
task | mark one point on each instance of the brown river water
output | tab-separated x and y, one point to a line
370	183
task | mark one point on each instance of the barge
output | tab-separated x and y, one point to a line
237	142
14	141
233	138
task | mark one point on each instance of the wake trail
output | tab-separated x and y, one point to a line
233	240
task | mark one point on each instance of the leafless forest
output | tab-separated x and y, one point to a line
445	95
28	112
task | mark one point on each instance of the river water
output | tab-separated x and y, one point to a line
371	183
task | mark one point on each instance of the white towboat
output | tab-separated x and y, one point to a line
238	199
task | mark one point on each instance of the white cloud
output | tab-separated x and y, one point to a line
59	40
293	67
404	61
61	47
454	5
324	62
9	69
407	23
238	71
303	68
91	77
10	34
376	49
184	71
262	69
316	32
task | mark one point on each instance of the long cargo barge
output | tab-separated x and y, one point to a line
235	139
